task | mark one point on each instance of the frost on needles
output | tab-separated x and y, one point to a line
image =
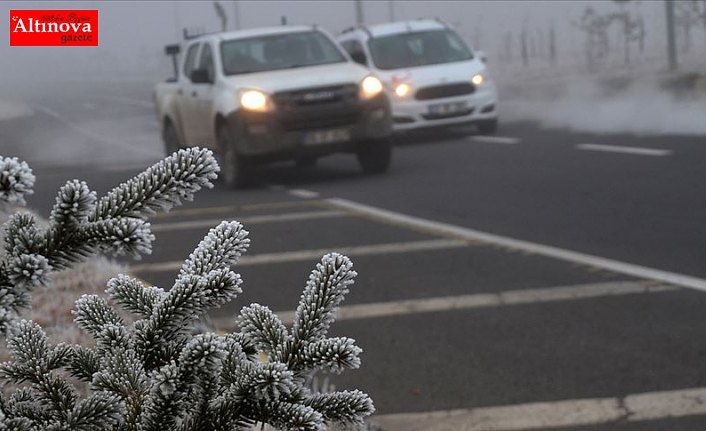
156	373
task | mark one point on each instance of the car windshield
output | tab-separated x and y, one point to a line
275	52
418	49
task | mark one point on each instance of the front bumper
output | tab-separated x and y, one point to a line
482	105
282	134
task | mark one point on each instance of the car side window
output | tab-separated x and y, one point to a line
206	62
190	61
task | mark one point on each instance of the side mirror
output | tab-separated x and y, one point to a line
200	76
171	49
359	57
483	57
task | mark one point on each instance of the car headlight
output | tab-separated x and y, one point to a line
255	100
478	79
403	90
370	87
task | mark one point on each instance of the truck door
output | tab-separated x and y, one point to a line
202	98
185	98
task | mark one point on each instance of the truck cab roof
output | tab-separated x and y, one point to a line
256	32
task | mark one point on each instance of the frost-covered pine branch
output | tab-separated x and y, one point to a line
80	224
157	373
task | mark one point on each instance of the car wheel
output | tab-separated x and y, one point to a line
305	162
375	156
171	139
488	127
235	170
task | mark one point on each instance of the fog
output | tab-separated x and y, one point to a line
567	90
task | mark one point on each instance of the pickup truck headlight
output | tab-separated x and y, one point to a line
478	79
370	87
255	100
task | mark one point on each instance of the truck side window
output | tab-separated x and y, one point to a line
190	61
206	62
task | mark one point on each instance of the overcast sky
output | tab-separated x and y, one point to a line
133	33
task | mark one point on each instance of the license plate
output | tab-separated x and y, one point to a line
447	108
321	137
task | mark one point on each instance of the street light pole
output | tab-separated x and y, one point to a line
236	9
391	9
359	12
671	37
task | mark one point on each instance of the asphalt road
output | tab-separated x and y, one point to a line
460	306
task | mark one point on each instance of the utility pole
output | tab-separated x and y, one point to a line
671	39
359	12
391	9
236	21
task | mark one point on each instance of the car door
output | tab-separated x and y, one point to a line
186	102
203	95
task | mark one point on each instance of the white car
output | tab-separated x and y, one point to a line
268	94
433	77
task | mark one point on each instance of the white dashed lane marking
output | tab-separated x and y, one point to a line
625	150
556	414
250	220
481	300
305	194
495	139
313	255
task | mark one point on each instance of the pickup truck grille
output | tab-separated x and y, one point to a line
318	107
320	121
446	90
316	96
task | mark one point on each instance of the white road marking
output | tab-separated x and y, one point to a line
306	194
556	414
313	255
624	150
471	235
233	209
251	220
128	101
495	139
481	300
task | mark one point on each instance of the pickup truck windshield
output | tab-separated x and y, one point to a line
275	52
417	49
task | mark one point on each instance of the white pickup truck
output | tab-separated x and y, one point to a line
281	93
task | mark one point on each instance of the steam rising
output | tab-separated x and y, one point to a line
638	106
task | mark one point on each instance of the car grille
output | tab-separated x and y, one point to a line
316	96
446	90
463	113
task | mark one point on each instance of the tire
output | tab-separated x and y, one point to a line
170	138
488	127
306	162
235	170
375	156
